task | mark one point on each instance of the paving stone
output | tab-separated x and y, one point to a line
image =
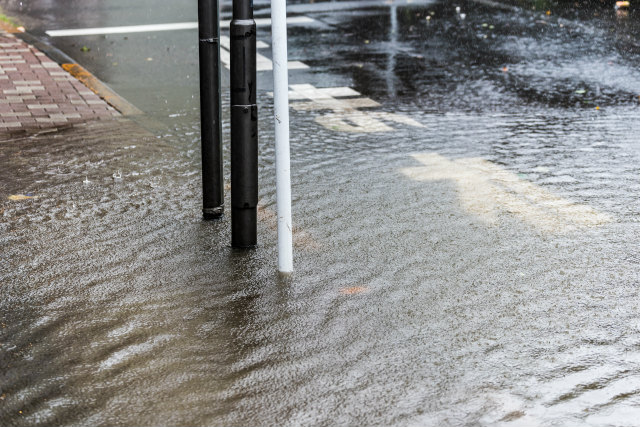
36	93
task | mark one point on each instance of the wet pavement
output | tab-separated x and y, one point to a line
471	262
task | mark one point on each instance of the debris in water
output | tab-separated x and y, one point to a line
353	290
117	175
86	181
581	91
16	197
85	49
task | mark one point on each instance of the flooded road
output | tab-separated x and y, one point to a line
466	213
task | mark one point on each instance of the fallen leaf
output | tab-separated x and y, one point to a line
353	290
16	197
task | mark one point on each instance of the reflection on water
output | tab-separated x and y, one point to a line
121	307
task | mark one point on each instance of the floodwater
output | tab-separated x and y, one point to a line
476	265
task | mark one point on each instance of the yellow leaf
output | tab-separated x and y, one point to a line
353	290
19	197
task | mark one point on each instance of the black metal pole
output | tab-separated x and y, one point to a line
210	114
244	126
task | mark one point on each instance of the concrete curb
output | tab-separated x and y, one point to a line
82	74
76	70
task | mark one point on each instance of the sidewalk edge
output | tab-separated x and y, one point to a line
82	74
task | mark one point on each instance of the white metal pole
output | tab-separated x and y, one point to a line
281	115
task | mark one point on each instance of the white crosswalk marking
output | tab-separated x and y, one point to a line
488	191
262	62
345	115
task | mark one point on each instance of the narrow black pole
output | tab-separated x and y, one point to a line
244	126
210	117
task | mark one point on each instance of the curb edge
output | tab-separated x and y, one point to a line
81	74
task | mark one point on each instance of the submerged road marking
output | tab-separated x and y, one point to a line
487	190
261	22
262	62
344	115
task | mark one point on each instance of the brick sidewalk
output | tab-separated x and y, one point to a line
36	93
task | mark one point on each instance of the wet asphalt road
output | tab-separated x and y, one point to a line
388	51
473	263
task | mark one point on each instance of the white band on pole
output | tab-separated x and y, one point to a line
281	115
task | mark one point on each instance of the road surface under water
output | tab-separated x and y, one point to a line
474	264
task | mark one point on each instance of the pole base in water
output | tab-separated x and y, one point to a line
212	213
244	227
285	275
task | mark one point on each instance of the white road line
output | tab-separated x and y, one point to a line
261	22
299	92
125	29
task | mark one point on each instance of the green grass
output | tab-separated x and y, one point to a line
8	20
